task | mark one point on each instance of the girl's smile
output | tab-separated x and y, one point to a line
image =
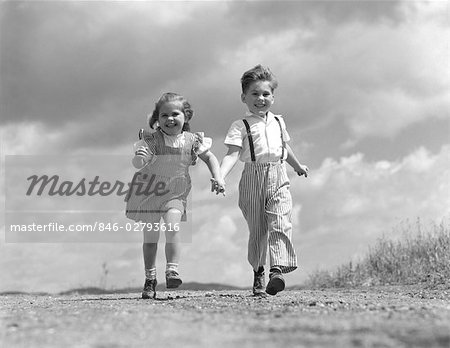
171	118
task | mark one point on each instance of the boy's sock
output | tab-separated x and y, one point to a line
150	273
275	269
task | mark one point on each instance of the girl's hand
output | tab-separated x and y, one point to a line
218	186
144	153
303	170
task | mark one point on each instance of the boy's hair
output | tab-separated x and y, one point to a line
258	73
171	97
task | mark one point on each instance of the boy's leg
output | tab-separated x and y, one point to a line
172	218
283	258
251	203
279	216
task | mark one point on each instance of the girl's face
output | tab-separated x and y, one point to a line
171	117
258	97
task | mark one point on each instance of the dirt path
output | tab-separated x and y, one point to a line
376	317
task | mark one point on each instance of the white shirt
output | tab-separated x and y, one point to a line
266	136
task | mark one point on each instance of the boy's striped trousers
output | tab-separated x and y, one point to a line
266	204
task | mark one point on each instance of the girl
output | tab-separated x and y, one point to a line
160	187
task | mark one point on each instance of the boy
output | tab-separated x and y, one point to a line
259	140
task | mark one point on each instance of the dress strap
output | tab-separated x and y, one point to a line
250	140
283	143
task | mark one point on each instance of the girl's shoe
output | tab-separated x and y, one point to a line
173	280
259	282
149	289
276	282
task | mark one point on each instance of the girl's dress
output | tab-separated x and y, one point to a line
164	182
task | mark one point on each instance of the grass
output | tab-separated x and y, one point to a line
421	255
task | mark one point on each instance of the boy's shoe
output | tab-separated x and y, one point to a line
173	280
276	282
259	282
149	289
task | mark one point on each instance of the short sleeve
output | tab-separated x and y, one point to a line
235	134
149	138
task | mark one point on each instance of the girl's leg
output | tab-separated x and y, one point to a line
149	249
150	246
172	220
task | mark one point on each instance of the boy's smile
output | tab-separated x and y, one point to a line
171	118
258	97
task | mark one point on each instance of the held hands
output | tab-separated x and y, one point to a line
302	170
218	186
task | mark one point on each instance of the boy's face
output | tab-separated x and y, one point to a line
258	97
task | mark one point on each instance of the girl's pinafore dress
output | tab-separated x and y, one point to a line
164	182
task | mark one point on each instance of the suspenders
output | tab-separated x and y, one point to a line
283	143
250	140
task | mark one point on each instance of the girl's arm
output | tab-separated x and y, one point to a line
213	165
230	159
301	169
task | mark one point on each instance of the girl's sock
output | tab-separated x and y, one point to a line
171	266
150	273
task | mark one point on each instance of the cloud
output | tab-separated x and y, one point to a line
348	203
94	70
271	15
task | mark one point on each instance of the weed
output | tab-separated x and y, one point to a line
421	255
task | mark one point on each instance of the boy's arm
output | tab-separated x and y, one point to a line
292	160
230	159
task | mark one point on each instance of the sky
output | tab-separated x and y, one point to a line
364	88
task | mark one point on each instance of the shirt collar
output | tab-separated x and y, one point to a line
270	115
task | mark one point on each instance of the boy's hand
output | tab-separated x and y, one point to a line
217	186
303	170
